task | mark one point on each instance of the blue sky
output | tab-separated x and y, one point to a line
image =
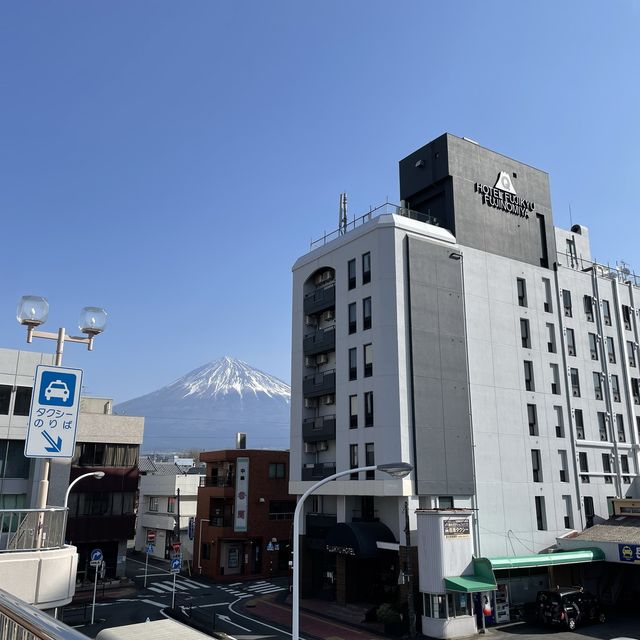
170	160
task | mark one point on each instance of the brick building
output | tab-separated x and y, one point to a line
244	514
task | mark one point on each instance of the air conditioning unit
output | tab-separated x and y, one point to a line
310	403
310	321
323	445
322	358
330	399
309	361
326	276
309	447
328	315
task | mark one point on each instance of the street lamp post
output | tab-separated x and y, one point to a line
395	469
32	312
95	474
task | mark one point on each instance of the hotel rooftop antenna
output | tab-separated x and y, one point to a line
342	216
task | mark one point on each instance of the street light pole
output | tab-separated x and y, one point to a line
397	470
96	474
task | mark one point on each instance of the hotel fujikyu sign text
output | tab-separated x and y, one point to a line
503	196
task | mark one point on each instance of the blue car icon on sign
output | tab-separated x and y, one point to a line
57	389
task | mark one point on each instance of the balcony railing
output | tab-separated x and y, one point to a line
318	470
218	481
319	384
320	299
620	272
32	529
321	428
220	521
320	342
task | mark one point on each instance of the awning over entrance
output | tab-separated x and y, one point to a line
482	579
547	559
357	538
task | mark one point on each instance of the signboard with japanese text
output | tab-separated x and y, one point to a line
629	553
242	494
456	528
53	419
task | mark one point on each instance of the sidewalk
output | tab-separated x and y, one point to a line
318	619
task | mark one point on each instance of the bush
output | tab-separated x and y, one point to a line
388	614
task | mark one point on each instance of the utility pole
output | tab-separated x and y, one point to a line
408	573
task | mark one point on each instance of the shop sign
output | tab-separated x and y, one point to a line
343	551
456	528
629	553
242	494
503	196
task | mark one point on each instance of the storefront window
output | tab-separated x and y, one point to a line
438	606
459	604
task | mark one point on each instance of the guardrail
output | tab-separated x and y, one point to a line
21	620
32	529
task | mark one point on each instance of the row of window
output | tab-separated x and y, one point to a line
369	460
99	454
154	503
13	464
366	315
367	361
368	410
21	400
525	338
541	512
366	270
588	304
101	503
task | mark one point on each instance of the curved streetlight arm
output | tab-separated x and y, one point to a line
94	474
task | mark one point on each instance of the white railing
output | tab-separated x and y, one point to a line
32	529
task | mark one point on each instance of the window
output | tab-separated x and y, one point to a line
353	460
5	399
368	409
459	604
635	390
624	467
153	503
97	454
445	502
566	302
528	376
631	353
579	424
548	306
366	268
353	412
584	466
588	308
568	519
626	317
593	346
615	388
620	428
602	426
541	516
575	382
638	427
597	385
281	509
171	504
368	360
555	379
606	468
352	317
559	422
564	471
277	471
589	512
22	402
606	312
571	252
353	363
522	292
524	333
532	415
366	313
351	272
536	465
435	605
205	552
369	460
551	341
13	463
571	342
221	512
611	350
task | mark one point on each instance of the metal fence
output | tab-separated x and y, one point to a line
31	529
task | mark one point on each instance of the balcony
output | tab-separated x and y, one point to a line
218	481
321	341
316	429
313	472
320	300
319	384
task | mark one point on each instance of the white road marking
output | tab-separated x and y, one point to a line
155	589
215	604
196	585
155	604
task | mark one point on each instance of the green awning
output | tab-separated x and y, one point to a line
468	584
547	559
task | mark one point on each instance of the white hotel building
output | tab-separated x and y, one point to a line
464	333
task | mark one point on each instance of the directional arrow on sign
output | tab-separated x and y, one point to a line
229	621
55	447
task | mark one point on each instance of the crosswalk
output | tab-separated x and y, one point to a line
182	585
261	587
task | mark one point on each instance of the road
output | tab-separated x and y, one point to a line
201	598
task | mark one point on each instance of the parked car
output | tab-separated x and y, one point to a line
568	606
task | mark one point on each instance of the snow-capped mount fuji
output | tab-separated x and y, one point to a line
206	407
